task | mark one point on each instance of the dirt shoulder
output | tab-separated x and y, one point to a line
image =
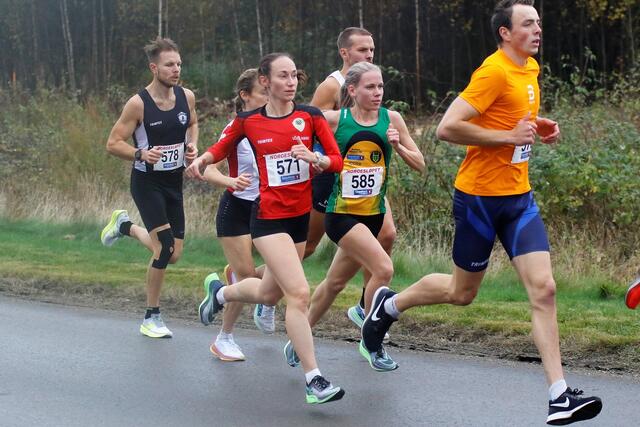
405	334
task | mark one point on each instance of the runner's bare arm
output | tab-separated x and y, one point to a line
333	117
117	144
456	128
404	144
213	176
192	130
327	95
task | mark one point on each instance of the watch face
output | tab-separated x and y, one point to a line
138	154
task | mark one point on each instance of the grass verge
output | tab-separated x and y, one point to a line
596	328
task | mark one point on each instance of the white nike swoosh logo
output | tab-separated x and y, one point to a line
562	405
374	316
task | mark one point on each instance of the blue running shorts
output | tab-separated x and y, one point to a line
514	219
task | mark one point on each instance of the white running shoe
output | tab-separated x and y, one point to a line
264	318
226	349
111	231
154	327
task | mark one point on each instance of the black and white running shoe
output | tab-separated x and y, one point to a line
571	407
319	390
377	322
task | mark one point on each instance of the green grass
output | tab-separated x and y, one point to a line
74	254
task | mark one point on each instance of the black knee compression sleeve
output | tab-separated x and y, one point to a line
166	240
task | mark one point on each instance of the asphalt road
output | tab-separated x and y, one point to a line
70	366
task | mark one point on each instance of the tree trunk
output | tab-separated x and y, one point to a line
380	27
360	14
542	44
603	45
103	31
94	47
38	67
203	50
418	83
166	18
237	29
632	41
68	46
159	18
259	28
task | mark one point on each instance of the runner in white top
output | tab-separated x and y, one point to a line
233	217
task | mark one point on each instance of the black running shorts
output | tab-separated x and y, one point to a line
337	225
296	227
158	196
234	216
321	188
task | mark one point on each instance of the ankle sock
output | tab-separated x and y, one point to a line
312	374
150	311
220	296
390	307
557	389
125	228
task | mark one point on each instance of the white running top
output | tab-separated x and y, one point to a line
338	76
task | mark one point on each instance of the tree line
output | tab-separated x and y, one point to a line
431	46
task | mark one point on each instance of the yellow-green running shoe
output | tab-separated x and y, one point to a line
111	231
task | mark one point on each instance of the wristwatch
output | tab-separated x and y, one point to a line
318	158
138	154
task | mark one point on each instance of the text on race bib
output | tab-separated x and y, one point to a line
362	182
282	169
521	153
172	157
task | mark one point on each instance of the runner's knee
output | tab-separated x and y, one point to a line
165	237
384	271
310	248
177	253
271	298
543	293
463	296
387	236
245	272
299	298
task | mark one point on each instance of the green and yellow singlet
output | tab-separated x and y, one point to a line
360	187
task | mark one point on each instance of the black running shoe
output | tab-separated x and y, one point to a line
377	322
571	407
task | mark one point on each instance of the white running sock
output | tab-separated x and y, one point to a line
220	296
312	374
557	389
223	336
390	307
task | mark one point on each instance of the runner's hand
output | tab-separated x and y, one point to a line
300	151
192	153
393	136
195	169
525	131
152	156
548	130
241	182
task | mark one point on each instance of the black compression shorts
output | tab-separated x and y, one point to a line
158	196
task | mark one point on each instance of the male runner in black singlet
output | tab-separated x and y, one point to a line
161	120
